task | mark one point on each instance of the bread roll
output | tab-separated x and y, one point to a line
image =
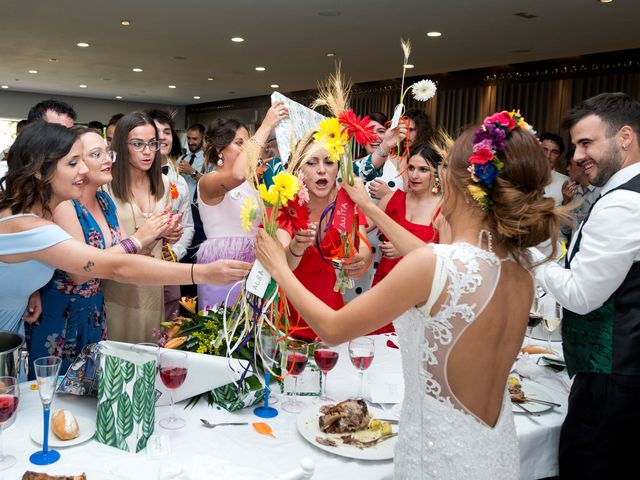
535	349
64	425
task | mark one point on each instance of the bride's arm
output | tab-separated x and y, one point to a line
406	285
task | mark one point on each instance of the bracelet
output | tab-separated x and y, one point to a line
136	241
129	246
291	252
193	282
257	142
381	153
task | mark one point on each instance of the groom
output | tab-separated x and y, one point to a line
600	292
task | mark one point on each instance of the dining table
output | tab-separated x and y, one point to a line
239	451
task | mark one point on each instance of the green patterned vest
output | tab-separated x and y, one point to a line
607	339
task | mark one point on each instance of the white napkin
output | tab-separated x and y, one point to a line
386	387
526	367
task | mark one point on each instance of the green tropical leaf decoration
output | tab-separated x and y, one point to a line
125	415
149	414
105	424
142	443
128	370
122	443
149	374
112	377
139	399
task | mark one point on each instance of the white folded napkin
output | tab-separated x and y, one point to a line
386	387
526	367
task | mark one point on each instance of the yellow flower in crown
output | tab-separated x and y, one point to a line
270	196
330	134
478	193
248	213
286	185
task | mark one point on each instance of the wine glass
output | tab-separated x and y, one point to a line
297	355
173	372
361	352
326	358
9	399
535	315
46	370
269	346
552	316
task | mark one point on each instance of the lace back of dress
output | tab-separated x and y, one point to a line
472	276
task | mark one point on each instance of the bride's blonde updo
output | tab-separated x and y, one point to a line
514	206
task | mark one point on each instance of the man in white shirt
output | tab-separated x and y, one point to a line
553	146
600	292
191	164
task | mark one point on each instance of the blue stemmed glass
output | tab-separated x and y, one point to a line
269	346
46	370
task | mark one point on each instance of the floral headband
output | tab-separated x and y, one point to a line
488	140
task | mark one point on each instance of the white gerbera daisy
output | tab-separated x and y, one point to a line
423	90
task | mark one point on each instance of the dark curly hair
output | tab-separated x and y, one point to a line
32	162
218	136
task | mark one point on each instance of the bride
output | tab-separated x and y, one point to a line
460	309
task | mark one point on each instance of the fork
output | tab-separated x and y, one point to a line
379	439
208	424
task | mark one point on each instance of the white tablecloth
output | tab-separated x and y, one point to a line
241	446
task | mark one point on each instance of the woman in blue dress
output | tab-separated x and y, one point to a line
45	169
73	311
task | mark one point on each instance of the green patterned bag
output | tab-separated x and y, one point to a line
232	398
126	399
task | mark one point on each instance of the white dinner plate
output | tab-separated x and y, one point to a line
87	430
308	427
531	390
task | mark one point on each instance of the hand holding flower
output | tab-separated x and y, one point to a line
270	253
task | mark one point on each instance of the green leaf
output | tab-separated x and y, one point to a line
128	370
149	374
149	414
139	399
125	415
105	424
142	443
112	378
122	443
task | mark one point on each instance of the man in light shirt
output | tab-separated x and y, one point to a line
191	163
553	146
600	292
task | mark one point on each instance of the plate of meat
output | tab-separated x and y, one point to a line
348	429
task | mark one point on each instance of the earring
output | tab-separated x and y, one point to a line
436	185
220	161
624	147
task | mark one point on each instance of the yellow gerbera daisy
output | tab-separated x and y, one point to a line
477	193
331	135
248	213
270	196
286	185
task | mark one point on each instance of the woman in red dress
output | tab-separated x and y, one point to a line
416	209
314	272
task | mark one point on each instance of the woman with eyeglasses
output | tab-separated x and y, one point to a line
46	168
139	191
73	313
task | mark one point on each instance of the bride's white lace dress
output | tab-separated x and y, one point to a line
440	438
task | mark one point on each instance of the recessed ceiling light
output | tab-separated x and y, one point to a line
209	78
136	69
118	97
605	1
5	86
125	23
434	34
196	97
331	54
171	86
82	44
408	65
82	86
274	85
260	69
33	71
53	60
237	39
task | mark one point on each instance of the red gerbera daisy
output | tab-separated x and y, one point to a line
294	215
360	128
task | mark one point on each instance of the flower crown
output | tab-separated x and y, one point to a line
484	164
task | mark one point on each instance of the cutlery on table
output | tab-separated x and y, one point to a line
526	410
208	424
542	402
379	439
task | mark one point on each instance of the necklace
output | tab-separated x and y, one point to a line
145	215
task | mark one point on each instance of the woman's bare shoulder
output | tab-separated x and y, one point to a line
21	223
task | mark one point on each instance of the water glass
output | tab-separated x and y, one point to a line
269	346
46	370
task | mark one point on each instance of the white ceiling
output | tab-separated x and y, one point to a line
288	37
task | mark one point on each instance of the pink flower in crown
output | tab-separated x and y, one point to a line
481	157
484	144
303	193
503	119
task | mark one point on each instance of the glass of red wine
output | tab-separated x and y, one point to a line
9	399
296	356
535	315
326	358
173	372
361	351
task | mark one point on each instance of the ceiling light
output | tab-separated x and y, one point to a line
274	85
171	86
125	23
209	78
136	69
196	97
260	69
33	71
331	54
118	97
82	86
5	86
237	39
53	60
434	34
605	1
408	65
82	44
